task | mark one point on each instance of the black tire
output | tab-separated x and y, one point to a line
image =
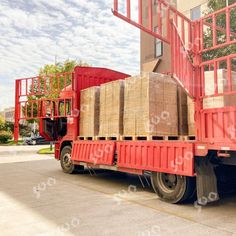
173	188
66	164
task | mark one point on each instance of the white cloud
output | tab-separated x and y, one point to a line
32	34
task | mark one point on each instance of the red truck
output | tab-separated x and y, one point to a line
179	168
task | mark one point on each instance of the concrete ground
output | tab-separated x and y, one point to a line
37	198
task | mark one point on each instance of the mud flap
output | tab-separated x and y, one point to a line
207	190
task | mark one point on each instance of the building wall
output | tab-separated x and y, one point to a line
9	114
147	57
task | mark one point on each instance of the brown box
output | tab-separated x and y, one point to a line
219	101
150	106
89	112
222	81
182	112
111	108
191	121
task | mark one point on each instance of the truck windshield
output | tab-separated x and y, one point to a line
64	108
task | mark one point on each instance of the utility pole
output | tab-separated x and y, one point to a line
227	3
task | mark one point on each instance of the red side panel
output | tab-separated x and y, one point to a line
168	157
95	152
219	125
93	76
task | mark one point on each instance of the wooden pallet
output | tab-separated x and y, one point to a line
157	138
187	138
140	138
115	138
86	138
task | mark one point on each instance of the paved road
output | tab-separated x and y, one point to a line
36	198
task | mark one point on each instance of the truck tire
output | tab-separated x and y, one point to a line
66	164
173	188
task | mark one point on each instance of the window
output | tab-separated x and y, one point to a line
62	108
195	13
158	45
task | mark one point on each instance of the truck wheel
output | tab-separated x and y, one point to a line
173	188
66	164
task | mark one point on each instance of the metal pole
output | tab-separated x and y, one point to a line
227	3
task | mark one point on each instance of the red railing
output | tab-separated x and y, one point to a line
220	27
182	62
158	15
217	84
172	27
39	97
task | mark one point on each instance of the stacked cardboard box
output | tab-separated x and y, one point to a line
216	101
182	111
89	112
191	121
150	106
219	101
111	108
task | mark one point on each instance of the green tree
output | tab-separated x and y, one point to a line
51	78
214	5
5	131
2	124
5	136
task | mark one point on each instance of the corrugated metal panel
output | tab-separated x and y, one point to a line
167	157
95	152
219	125
93	76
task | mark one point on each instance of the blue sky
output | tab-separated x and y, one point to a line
33	32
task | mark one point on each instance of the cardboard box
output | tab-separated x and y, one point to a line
150	106
219	101
89	112
111	108
182	112
191	120
221	79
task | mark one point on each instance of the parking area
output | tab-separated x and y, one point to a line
37	198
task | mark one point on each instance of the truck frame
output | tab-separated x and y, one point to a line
178	168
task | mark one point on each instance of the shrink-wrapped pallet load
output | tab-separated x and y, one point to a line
222	82
150	106
111	109
89	111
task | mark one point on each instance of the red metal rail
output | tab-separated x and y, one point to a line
173	28
167	157
217	79
38	98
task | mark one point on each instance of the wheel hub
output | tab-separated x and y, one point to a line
66	160
168	182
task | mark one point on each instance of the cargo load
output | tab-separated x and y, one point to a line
191	120
111	109
89	112
182	111
219	101
150	106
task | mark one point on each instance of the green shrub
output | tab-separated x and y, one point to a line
5	136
